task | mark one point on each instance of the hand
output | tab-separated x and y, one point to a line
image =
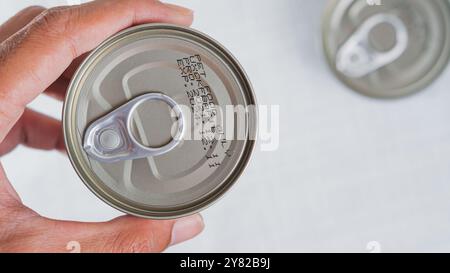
40	50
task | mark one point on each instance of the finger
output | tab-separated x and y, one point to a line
37	55
58	88
20	20
34	130
131	234
8	196
124	234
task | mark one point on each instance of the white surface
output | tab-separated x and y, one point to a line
349	170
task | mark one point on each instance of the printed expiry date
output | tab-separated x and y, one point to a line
204	109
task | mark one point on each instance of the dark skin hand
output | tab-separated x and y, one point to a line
39	52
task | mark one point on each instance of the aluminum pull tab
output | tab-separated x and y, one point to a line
357	58
110	138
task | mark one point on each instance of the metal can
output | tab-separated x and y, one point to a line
133	103
387	48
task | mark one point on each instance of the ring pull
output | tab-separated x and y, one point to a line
357	58
110	138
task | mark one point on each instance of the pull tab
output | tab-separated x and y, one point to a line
357	58
110	138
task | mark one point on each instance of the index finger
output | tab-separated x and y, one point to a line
18	21
37	55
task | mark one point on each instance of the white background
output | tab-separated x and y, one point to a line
349	170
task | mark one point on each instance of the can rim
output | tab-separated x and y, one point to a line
217	193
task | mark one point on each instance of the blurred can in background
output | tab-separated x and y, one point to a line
387	48
144	125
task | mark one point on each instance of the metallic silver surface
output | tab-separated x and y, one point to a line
192	70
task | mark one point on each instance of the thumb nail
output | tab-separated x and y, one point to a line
180	10
186	228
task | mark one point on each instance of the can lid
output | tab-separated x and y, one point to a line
144	122
388	50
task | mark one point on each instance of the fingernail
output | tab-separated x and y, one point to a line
181	10
186	228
